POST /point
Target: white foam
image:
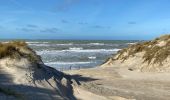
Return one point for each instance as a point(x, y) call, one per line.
point(75, 48)
point(37, 42)
point(46, 45)
point(96, 43)
point(77, 51)
point(93, 50)
point(66, 63)
point(65, 44)
point(131, 43)
point(92, 57)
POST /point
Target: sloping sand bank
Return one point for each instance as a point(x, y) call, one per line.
point(23, 76)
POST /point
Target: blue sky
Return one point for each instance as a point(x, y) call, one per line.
point(84, 19)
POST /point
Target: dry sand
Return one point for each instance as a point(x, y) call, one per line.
point(100, 83)
point(20, 79)
point(119, 83)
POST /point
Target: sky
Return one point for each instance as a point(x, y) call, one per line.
point(84, 19)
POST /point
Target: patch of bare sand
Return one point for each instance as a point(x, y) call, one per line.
point(86, 95)
point(118, 83)
point(20, 79)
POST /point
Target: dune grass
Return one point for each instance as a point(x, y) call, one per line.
point(152, 52)
point(12, 50)
point(157, 54)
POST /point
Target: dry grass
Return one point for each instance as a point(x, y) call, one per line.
point(12, 50)
point(153, 53)
point(157, 54)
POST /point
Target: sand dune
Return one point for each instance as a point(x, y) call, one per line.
point(150, 56)
point(24, 76)
point(130, 75)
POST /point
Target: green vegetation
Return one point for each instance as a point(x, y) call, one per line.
point(11, 92)
point(152, 52)
point(15, 50)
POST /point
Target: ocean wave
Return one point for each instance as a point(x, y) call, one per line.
point(37, 42)
point(96, 43)
point(92, 57)
point(67, 44)
point(66, 63)
point(77, 51)
point(39, 45)
point(64, 44)
point(46, 44)
point(93, 50)
point(131, 43)
point(75, 48)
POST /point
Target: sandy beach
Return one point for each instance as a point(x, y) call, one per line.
point(85, 50)
point(116, 83)
point(138, 72)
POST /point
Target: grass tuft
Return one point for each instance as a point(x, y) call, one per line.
point(13, 50)
point(153, 53)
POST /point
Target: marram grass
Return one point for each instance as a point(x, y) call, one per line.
point(13, 50)
point(152, 52)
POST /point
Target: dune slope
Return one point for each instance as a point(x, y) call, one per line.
point(24, 76)
point(152, 56)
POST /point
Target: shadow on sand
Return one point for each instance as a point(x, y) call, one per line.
point(11, 91)
point(79, 78)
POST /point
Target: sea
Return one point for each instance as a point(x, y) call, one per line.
point(76, 54)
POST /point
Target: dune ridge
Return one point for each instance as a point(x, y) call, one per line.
point(150, 56)
point(24, 76)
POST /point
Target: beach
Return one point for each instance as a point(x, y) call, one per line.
point(85, 50)
point(138, 72)
point(117, 83)
point(125, 75)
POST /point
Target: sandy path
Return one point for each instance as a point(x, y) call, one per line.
point(119, 83)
